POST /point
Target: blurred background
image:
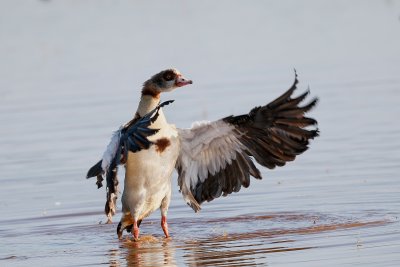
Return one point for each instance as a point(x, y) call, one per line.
point(71, 73)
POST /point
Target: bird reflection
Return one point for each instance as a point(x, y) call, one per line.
point(148, 251)
point(232, 241)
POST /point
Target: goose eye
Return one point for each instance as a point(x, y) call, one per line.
point(168, 76)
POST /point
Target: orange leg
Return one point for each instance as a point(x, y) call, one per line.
point(135, 231)
point(164, 225)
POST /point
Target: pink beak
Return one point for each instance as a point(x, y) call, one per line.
point(181, 81)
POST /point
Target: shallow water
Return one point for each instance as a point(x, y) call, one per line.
point(71, 73)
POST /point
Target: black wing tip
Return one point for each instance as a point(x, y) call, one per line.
point(286, 95)
point(315, 100)
point(311, 105)
point(165, 103)
point(315, 133)
point(292, 88)
point(95, 170)
point(259, 176)
point(155, 112)
point(296, 80)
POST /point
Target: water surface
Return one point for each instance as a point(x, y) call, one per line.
point(71, 73)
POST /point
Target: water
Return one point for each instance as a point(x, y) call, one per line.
point(71, 72)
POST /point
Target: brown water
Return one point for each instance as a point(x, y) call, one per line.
point(70, 73)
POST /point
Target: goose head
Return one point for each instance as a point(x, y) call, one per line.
point(164, 81)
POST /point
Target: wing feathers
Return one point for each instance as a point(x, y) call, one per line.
point(296, 122)
point(283, 98)
point(216, 157)
point(290, 104)
point(94, 170)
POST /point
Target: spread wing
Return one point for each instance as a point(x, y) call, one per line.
point(130, 137)
point(216, 158)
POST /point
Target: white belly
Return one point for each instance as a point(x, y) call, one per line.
point(148, 174)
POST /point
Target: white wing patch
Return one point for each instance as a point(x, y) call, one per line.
point(111, 150)
point(206, 148)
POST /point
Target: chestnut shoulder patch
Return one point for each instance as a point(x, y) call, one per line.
point(162, 144)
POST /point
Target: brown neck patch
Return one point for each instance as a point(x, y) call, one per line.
point(151, 91)
point(162, 144)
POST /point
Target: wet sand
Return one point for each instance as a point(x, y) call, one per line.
point(71, 74)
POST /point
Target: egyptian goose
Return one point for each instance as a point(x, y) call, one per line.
point(211, 158)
